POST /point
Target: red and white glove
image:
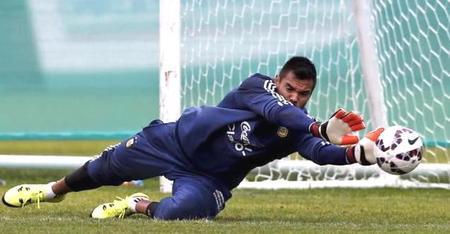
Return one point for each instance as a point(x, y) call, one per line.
point(338, 129)
point(364, 152)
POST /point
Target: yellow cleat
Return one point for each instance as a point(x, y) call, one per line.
point(25, 194)
point(119, 208)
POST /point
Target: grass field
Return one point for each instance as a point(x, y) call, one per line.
point(249, 211)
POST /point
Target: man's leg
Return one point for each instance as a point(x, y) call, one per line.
point(132, 159)
point(192, 199)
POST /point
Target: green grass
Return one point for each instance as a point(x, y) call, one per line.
point(249, 211)
point(54, 147)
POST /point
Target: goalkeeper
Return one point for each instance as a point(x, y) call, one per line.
point(209, 150)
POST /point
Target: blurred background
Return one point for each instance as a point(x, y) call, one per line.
point(78, 67)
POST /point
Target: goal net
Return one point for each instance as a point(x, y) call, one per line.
point(222, 42)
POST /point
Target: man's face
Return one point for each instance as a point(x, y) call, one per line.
point(294, 90)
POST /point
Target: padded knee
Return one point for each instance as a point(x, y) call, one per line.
point(189, 202)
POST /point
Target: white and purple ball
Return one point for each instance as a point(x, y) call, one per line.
point(399, 150)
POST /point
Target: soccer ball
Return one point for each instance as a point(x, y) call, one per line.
point(399, 150)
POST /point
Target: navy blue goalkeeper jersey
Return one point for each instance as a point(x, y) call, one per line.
point(250, 127)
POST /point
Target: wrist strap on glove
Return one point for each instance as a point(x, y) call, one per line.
point(319, 129)
point(364, 152)
point(315, 130)
point(354, 152)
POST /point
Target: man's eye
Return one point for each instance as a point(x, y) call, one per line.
point(304, 93)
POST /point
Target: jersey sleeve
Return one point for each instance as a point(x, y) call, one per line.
point(320, 151)
point(258, 94)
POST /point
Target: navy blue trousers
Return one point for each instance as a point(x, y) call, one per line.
point(152, 153)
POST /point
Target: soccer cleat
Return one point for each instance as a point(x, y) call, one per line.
point(22, 195)
point(119, 208)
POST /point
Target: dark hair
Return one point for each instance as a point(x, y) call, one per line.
point(302, 68)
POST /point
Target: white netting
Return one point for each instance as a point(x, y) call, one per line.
point(413, 39)
point(223, 42)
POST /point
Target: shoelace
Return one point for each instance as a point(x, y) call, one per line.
point(33, 196)
point(37, 196)
point(119, 204)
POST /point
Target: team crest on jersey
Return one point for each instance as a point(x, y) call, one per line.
point(282, 132)
point(130, 142)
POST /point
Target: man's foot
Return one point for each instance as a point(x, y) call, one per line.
point(118, 208)
point(22, 195)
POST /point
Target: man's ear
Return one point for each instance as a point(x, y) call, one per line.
point(277, 79)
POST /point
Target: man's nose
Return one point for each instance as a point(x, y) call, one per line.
point(293, 99)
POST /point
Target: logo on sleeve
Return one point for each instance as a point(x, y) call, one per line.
point(282, 132)
point(270, 87)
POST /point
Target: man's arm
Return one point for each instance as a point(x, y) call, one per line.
point(258, 93)
point(322, 153)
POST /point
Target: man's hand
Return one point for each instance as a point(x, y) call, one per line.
point(338, 129)
point(363, 152)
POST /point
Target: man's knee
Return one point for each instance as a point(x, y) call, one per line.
point(195, 204)
point(103, 171)
point(170, 209)
point(80, 180)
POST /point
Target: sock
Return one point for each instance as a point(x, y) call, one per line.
point(151, 209)
point(48, 192)
point(132, 203)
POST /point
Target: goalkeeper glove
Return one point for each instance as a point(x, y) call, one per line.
point(338, 129)
point(364, 152)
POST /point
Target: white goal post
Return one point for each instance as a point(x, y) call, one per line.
point(217, 44)
point(169, 71)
